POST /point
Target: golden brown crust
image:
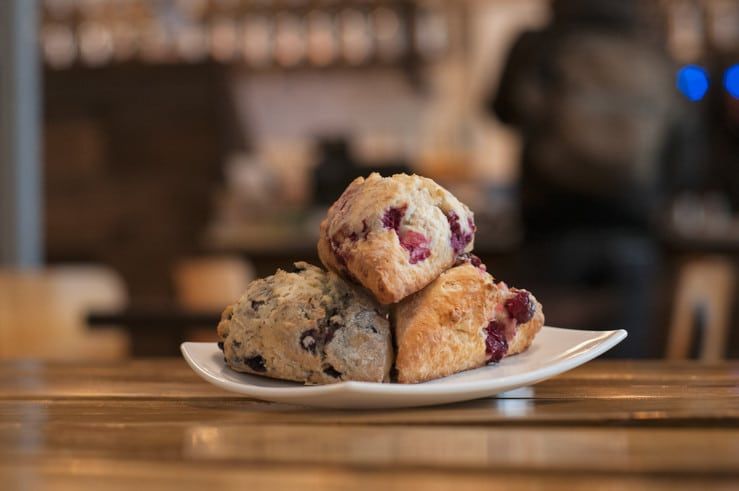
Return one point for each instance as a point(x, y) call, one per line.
point(441, 329)
point(357, 242)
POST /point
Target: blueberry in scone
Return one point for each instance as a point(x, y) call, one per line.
point(462, 320)
point(308, 326)
point(394, 235)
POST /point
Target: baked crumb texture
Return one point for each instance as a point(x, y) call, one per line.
point(395, 235)
point(309, 326)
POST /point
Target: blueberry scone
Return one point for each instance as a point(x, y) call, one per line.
point(308, 326)
point(394, 235)
point(462, 320)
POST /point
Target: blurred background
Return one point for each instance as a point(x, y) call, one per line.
point(156, 156)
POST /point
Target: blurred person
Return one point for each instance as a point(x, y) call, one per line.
point(724, 154)
point(724, 129)
point(606, 142)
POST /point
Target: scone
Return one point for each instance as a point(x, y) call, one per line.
point(462, 320)
point(394, 235)
point(308, 326)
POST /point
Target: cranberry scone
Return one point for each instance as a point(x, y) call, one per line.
point(309, 326)
point(462, 320)
point(395, 235)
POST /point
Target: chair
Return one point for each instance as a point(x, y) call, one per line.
point(43, 313)
point(208, 284)
point(705, 292)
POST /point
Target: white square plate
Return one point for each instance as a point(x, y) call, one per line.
point(553, 351)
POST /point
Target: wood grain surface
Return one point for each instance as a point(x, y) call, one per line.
point(154, 424)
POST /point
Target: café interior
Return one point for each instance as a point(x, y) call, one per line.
point(157, 157)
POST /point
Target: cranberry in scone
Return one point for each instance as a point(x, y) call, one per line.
point(395, 235)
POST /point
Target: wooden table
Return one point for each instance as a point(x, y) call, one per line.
point(154, 424)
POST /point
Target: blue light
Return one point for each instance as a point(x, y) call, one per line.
point(692, 81)
point(731, 80)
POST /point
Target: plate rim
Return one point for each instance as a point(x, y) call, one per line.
point(606, 340)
